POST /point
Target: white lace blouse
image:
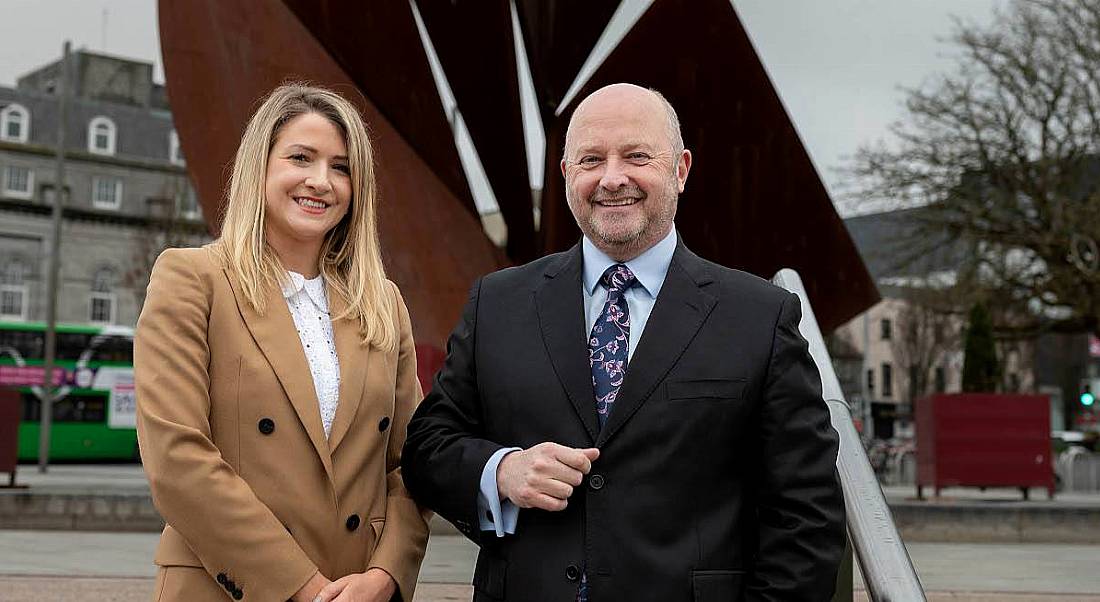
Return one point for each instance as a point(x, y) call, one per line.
point(308, 303)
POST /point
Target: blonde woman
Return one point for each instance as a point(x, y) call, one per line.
point(276, 375)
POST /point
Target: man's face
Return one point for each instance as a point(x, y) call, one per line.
point(622, 174)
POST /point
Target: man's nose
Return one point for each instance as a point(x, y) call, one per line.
point(614, 176)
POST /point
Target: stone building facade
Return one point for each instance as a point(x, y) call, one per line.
point(127, 190)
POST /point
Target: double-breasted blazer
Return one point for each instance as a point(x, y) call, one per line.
point(255, 497)
point(716, 478)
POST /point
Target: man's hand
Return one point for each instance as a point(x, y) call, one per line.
point(312, 587)
point(543, 476)
point(375, 585)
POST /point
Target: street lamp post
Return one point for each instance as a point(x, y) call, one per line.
point(47, 395)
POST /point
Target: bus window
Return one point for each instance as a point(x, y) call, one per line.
point(71, 344)
point(114, 349)
point(28, 344)
point(73, 408)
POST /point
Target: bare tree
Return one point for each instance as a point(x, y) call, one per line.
point(1003, 154)
point(926, 331)
point(166, 227)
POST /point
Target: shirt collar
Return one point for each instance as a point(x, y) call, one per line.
point(649, 268)
point(313, 287)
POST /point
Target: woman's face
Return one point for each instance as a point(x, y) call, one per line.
point(308, 184)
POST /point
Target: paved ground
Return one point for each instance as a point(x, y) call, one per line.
point(45, 589)
point(55, 565)
point(129, 478)
point(66, 565)
point(41, 566)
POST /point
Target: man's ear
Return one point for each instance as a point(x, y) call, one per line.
point(563, 167)
point(683, 166)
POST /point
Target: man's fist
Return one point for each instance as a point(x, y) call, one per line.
point(543, 476)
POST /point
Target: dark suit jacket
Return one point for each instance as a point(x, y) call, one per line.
point(716, 479)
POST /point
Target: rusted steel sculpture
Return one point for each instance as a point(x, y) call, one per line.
point(220, 57)
point(754, 200)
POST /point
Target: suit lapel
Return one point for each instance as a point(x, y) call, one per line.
point(278, 340)
point(560, 310)
point(680, 310)
point(354, 364)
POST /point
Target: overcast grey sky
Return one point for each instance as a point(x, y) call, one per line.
point(837, 64)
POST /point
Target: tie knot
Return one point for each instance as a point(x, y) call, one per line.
point(618, 278)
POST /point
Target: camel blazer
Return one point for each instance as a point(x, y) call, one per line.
point(254, 496)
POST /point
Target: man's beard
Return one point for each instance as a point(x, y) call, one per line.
point(617, 236)
point(628, 236)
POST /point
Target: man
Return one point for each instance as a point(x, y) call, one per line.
point(625, 421)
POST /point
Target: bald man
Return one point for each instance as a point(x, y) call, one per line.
point(625, 421)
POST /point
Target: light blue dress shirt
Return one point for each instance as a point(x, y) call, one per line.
point(650, 269)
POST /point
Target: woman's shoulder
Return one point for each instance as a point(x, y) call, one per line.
point(398, 308)
point(395, 291)
point(197, 259)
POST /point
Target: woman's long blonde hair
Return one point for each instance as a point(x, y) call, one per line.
point(351, 256)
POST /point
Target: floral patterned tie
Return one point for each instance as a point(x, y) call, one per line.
point(607, 354)
point(610, 339)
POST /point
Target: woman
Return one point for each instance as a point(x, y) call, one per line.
point(275, 378)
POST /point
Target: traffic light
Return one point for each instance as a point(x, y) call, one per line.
point(1087, 396)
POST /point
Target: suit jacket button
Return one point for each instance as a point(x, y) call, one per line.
point(238, 594)
point(222, 578)
point(596, 482)
point(383, 424)
point(572, 573)
point(353, 522)
point(266, 426)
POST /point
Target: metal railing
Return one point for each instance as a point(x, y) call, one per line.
point(883, 560)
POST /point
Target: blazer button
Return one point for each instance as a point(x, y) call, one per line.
point(238, 594)
point(222, 578)
point(266, 426)
point(572, 573)
point(353, 522)
point(383, 424)
point(596, 482)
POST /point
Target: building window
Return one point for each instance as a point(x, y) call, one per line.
point(102, 301)
point(887, 380)
point(188, 204)
point(13, 291)
point(175, 155)
point(870, 383)
point(941, 379)
point(106, 193)
point(15, 123)
point(101, 136)
point(887, 329)
point(18, 182)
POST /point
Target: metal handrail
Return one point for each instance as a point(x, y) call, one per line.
point(883, 560)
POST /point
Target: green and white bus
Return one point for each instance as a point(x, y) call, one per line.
point(95, 415)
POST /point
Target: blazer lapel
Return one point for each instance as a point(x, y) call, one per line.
point(354, 359)
point(680, 310)
point(560, 310)
point(277, 338)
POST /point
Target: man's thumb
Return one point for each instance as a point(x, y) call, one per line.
point(591, 453)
